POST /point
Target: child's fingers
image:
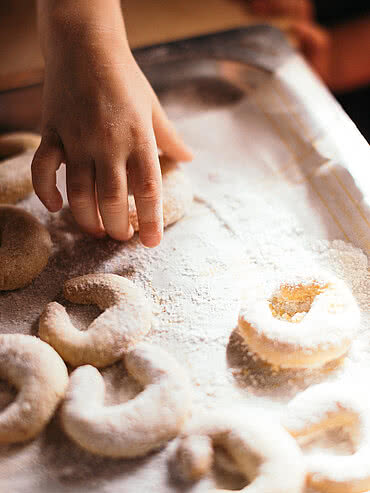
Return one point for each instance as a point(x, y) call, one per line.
point(111, 185)
point(167, 138)
point(82, 198)
point(45, 164)
point(146, 183)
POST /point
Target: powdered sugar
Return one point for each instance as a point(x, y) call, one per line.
point(328, 406)
point(245, 224)
point(331, 318)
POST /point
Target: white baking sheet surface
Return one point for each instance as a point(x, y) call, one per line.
point(280, 181)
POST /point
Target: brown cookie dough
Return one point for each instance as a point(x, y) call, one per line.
point(16, 152)
point(25, 247)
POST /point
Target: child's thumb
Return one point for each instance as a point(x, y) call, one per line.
point(45, 164)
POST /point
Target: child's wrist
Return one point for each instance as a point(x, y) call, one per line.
point(67, 23)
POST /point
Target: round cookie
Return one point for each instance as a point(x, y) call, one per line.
point(301, 321)
point(126, 319)
point(177, 194)
point(330, 406)
point(16, 153)
point(134, 428)
point(25, 247)
point(14, 143)
point(41, 378)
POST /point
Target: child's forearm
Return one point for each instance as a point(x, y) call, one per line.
point(64, 21)
point(350, 60)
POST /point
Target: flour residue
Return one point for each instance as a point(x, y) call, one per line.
point(245, 223)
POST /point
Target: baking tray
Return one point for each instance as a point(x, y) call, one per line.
point(276, 186)
point(257, 63)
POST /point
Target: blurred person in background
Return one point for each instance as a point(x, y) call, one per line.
point(334, 37)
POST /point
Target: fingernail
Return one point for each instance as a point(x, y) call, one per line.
point(150, 244)
point(189, 154)
point(131, 231)
point(54, 206)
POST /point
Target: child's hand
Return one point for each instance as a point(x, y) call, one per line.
point(102, 118)
point(314, 43)
point(311, 39)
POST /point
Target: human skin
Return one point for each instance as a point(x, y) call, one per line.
point(339, 54)
point(299, 9)
point(350, 65)
point(102, 118)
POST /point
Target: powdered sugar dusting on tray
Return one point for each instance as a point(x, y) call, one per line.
point(245, 223)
